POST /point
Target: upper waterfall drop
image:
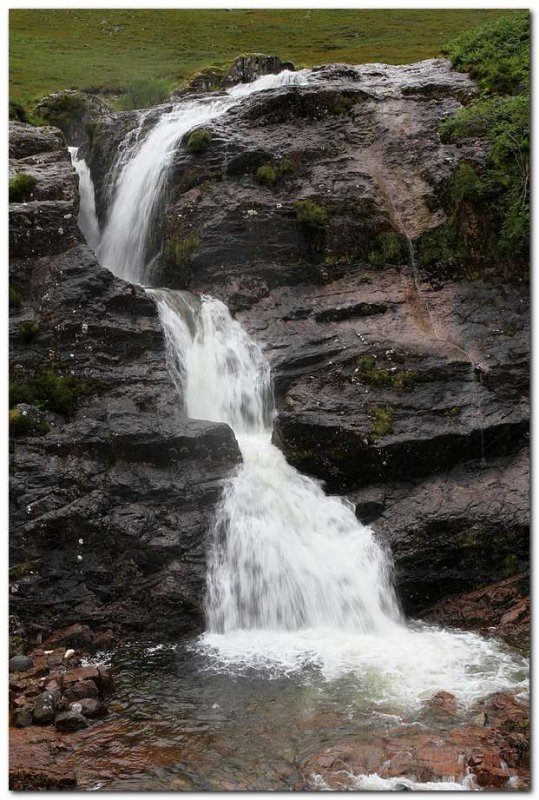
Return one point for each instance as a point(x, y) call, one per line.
point(141, 178)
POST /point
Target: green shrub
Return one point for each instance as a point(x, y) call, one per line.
point(382, 423)
point(388, 248)
point(180, 252)
point(21, 187)
point(270, 174)
point(61, 110)
point(19, 423)
point(497, 54)
point(51, 392)
point(198, 141)
point(498, 57)
point(267, 174)
point(312, 216)
point(18, 111)
point(28, 329)
point(142, 93)
point(15, 298)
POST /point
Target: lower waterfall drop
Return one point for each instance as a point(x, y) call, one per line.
point(294, 579)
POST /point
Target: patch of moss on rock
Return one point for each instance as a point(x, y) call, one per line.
point(388, 248)
point(180, 252)
point(270, 174)
point(21, 187)
point(312, 216)
point(400, 380)
point(197, 141)
point(382, 423)
point(15, 298)
point(51, 392)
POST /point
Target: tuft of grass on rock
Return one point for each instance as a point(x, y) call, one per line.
point(51, 392)
point(312, 216)
point(382, 423)
point(21, 187)
point(198, 141)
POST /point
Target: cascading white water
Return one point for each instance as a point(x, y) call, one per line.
point(142, 179)
point(87, 218)
point(285, 556)
point(293, 577)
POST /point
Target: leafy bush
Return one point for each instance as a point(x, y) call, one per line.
point(20, 424)
point(180, 252)
point(21, 187)
point(143, 92)
point(62, 109)
point(388, 248)
point(28, 329)
point(51, 392)
point(19, 112)
point(270, 174)
point(198, 141)
point(312, 216)
point(498, 56)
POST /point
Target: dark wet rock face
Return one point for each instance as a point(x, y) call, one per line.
point(407, 390)
point(404, 389)
point(112, 498)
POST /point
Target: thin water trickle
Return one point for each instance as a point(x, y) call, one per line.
point(87, 219)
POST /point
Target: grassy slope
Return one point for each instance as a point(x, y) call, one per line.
point(85, 48)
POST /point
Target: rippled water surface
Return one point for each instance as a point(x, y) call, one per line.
point(179, 724)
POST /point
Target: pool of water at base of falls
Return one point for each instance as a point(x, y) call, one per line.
point(181, 720)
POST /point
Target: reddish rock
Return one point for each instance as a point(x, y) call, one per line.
point(81, 689)
point(77, 635)
point(73, 676)
point(442, 704)
point(25, 780)
point(489, 771)
point(105, 680)
point(501, 608)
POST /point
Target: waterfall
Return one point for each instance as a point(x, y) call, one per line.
point(141, 175)
point(87, 219)
point(284, 556)
point(294, 580)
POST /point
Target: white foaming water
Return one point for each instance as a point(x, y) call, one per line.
point(141, 180)
point(87, 219)
point(374, 783)
point(294, 579)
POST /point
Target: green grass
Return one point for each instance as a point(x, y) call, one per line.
point(498, 56)
point(21, 187)
point(53, 49)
